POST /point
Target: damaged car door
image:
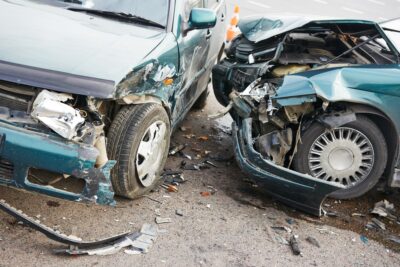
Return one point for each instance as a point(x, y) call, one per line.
point(194, 46)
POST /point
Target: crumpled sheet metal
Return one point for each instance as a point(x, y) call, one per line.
point(135, 243)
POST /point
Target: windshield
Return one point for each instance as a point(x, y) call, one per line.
point(154, 10)
point(392, 31)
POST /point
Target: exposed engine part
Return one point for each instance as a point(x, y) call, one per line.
point(242, 107)
point(263, 111)
point(275, 145)
point(289, 69)
point(293, 113)
point(50, 109)
point(255, 91)
point(100, 144)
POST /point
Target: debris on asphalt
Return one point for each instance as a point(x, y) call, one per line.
point(331, 213)
point(203, 138)
point(290, 221)
point(179, 212)
point(313, 241)
point(157, 212)
point(175, 179)
point(213, 190)
point(153, 199)
point(195, 167)
point(170, 188)
point(189, 136)
point(199, 166)
point(210, 163)
point(183, 128)
point(282, 228)
point(375, 223)
point(135, 243)
point(281, 240)
point(384, 209)
point(294, 244)
point(356, 214)
point(325, 231)
point(52, 203)
point(185, 155)
point(219, 158)
point(174, 150)
point(205, 194)
point(364, 239)
point(161, 220)
point(171, 173)
point(172, 180)
point(394, 238)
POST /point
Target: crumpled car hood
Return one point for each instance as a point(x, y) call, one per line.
point(259, 28)
point(48, 37)
point(334, 84)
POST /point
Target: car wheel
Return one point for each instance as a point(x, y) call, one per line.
point(138, 140)
point(354, 155)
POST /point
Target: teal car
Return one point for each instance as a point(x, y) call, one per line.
point(92, 89)
point(315, 104)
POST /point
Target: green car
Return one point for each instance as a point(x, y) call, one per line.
point(316, 105)
point(92, 90)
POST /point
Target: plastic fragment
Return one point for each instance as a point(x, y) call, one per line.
point(313, 241)
point(294, 245)
point(161, 220)
point(364, 239)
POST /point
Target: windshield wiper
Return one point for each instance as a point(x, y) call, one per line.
point(118, 15)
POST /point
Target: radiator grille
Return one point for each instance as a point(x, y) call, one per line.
point(15, 96)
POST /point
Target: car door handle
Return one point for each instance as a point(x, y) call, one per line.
point(208, 35)
point(223, 17)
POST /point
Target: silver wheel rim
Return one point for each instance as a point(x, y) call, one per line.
point(150, 152)
point(343, 155)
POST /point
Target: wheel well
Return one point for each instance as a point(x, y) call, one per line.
point(116, 106)
point(388, 130)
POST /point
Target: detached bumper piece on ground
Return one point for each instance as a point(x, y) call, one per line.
point(310, 99)
point(133, 243)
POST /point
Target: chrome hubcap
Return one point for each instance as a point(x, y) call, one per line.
point(150, 152)
point(343, 155)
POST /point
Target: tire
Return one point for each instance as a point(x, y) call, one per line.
point(201, 101)
point(362, 156)
point(138, 139)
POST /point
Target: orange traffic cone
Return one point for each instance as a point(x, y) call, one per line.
point(232, 28)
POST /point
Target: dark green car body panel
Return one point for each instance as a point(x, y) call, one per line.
point(376, 86)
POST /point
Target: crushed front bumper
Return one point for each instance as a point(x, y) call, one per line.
point(298, 190)
point(22, 149)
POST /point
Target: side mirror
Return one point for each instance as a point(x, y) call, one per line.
point(201, 18)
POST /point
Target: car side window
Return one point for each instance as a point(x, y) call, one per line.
point(189, 5)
